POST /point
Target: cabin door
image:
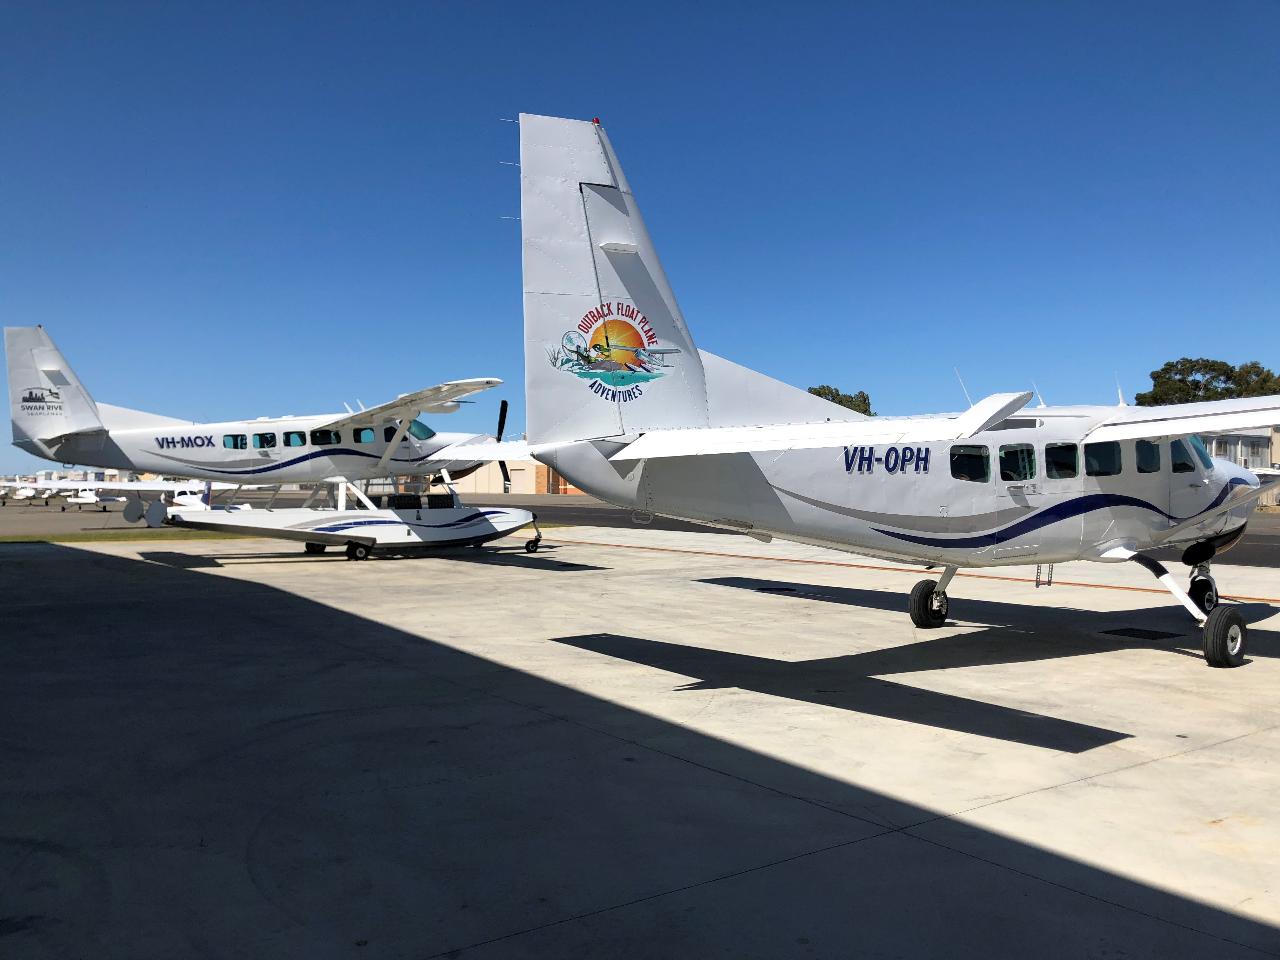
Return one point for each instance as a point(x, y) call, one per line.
point(1019, 496)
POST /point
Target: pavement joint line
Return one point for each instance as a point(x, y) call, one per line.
point(1095, 776)
point(884, 569)
point(454, 951)
point(1093, 896)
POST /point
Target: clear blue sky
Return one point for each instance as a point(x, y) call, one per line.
point(235, 210)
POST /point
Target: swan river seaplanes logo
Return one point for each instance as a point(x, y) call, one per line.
point(614, 350)
point(40, 402)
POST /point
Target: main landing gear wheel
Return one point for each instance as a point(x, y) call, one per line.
point(357, 551)
point(315, 547)
point(531, 546)
point(1203, 593)
point(928, 605)
point(1225, 637)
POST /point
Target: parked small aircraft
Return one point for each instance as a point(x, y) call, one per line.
point(55, 418)
point(704, 439)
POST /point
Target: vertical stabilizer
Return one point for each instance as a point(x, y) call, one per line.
point(46, 399)
point(607, 351)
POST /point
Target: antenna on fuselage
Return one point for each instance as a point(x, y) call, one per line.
point(962, 386)
point(1119, 392)
point(1039, 395)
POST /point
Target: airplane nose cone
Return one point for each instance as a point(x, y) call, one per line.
point(1235, 472)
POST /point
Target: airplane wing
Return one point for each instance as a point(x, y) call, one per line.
point(702, 441)
point(438, 399)
point(1183, 419)
point(470, 452)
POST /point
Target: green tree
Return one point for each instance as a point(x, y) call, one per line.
point(1188, 380)
point(858, 401)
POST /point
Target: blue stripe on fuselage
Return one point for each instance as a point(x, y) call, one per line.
point(1059, 511)
point(338, 452)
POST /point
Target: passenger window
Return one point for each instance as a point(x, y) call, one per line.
point(264, 441)
point(1102, 459)
point(1061, 461)
point(389, 433)
point(1148, 456)
point(971, 463)
point(235, 441)
point(325, 438)
point(1181, 458)
point(295, 438)
point(1017, 462)
point(364, 434)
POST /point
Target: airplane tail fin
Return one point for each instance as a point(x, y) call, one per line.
point(47, 402)
point(607, 351)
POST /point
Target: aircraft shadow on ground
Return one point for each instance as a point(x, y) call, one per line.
point(1016, 632)
point(207, 765)
point(848, 683)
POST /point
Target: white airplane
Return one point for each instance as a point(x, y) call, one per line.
point(182, 493)
point(55, 418)
point(701, 438)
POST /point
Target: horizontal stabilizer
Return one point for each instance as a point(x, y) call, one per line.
point(1183, 419)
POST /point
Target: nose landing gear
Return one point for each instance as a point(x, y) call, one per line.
point(1203, 591)
point(1226, 635)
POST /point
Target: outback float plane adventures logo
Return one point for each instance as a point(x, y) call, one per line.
point(614, 349)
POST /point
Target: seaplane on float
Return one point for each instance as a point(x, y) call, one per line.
point(54, 417)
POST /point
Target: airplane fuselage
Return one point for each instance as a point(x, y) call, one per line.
point(263, 451)
point(1028, 491)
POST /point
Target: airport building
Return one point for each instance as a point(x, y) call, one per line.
point(1254, 449)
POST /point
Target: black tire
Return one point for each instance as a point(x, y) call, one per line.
point(921, 605)
point(314, 547)
point(1225, 637)
point(531, 546)
point(1203, 594)
point(357, 551)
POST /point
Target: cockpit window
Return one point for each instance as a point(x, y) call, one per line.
point(420, 431)
point(1180, 456)
point(1201, 453)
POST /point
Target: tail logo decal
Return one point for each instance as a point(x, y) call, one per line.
point(614, 349)
point(41, 402)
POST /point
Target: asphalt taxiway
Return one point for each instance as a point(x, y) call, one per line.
point(634, 743)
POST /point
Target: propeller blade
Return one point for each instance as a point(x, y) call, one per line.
point(502, 424)
point(506, 476)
